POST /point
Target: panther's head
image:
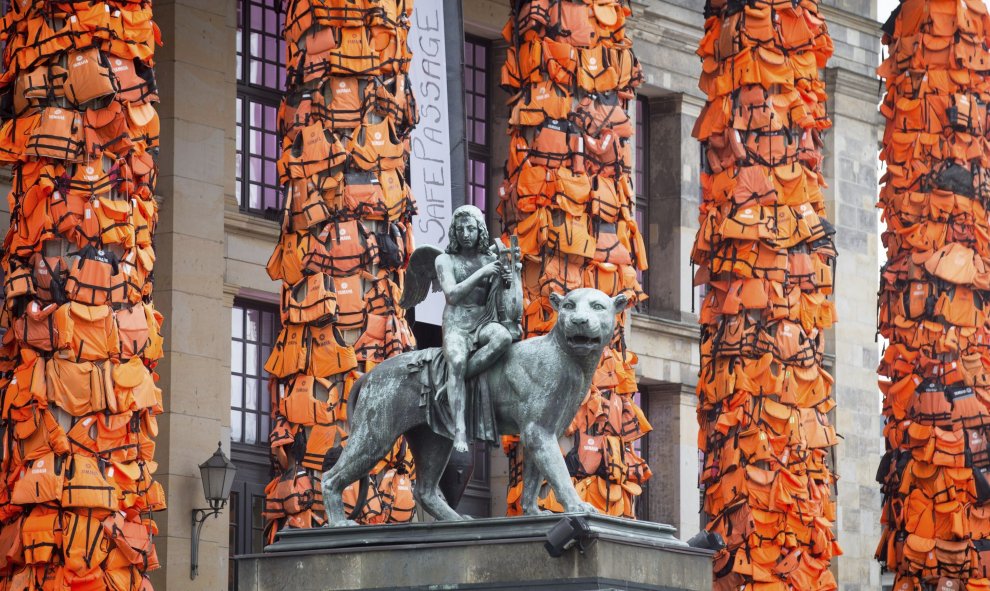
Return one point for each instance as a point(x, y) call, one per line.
point(585, 319)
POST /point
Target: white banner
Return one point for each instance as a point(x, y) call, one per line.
point(429, 161)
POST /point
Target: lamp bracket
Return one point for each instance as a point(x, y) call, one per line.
point(199, 517)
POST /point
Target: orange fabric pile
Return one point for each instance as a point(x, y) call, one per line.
point(82, 337)
point(569, 197)
point(344, 245)
point(934, 372)
point(764, 252)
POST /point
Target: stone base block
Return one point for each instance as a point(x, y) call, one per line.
point(492, 554)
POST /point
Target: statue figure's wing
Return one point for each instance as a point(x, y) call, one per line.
point(421, 276)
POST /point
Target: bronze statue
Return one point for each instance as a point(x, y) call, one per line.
point(467, 273)
point(481, 383)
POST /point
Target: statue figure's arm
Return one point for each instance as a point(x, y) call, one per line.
point(456, 292)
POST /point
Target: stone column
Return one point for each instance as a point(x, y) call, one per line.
point(198, 89)
point(851, 171)
point(673, 454)
point(673, 202)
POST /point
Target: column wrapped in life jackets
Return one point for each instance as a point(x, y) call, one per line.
point(933, 374)
point(81, 335)
point(762, 250)
point(571, 72)
point(346, 119)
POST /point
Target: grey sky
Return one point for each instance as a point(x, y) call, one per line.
point(884, 8)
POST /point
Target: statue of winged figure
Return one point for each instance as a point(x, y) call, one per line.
point(483, 303)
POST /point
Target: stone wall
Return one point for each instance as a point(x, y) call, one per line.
point(196, 78)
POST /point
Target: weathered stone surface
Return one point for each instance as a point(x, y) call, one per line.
point(491, 554)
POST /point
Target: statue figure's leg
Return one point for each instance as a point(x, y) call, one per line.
point(430, 453)
point(456, 347)
point(364, 448)
point(542, 447)
point(532, 479)
point(495, 340)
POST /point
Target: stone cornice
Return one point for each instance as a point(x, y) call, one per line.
point(841, 83)
point(857, 22)
point(252, 226)
point(651, 324)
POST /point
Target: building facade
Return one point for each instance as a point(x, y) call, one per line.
point(221, 75)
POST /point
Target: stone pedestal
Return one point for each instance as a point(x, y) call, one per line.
point(492, 554)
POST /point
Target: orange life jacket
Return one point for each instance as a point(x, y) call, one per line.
point(132, 326)
point(569, 234)
point(135, 82)
point(86, 486)
point(397, 495)
point(88, 76)
point(315, 150)
point(554, 144)
point(40, 481)
point(135, 387)
point(94, 278)
point(80, 387)
point(544, 100)
point(41, 535)
point(133, 540)
point(394, 99)
point(310, 300)
point(316, 46)
point(84, 544)
point(59, 135)
point(296, 111)
point(36, 327)
point(606, 201)
point(595, 72)
point(304, 205)
point(523, 63)
point(301, 407)
point(561, 273)
point(89, 332)
point(608, 154)
point(35, 86)
point(321, 439)
point(290, 353)
point(376, 146)
point(354, 54)
point(351, 309)
point(328, 353)
point(350, 248)
point(347, 102)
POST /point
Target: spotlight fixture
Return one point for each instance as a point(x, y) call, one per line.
point(707, 540)
point(567, 533)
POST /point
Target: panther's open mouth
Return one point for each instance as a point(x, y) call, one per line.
point(581, 340)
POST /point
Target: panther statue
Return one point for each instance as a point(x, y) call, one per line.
point(536, 388)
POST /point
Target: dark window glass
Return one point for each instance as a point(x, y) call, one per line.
point(232, 543)
point(260, 84)
point(257, 144)
point(477, 56)
point(260, 48)
point(252, 335)
point(641, 177)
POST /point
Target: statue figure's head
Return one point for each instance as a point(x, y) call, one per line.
point(467, 231)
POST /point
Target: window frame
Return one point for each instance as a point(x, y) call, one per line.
point(641, 178)
point(260, 447)
point(268, 96)
point(478, 152)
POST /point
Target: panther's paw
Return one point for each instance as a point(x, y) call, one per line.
point(584, 508)
point(535, 510)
